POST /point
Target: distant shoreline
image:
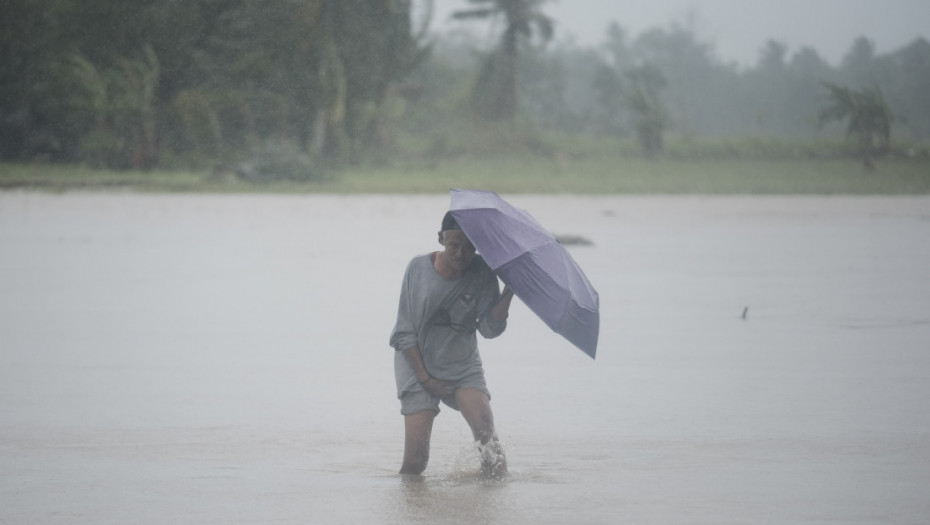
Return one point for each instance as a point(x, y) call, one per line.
point(593, 175)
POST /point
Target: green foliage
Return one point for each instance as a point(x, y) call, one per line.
point(608, 88)
point(124, 84)
point(868, 115)
point(477, 138)
point(142, 84)
point(599, 171)
point(197, 124)
point(644, 99)
point(279, 163)
point(111, 107)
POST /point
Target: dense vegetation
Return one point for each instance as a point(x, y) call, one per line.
point(284, 87)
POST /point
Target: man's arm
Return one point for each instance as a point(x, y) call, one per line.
point(431, 384)
point(501, 309)
point(416, 363)
point(494, 320)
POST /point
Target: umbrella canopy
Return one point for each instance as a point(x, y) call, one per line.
point(533, 263)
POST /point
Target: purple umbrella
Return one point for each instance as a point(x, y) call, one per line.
point(533, 263)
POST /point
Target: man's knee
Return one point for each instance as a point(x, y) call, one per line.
point(476, 408)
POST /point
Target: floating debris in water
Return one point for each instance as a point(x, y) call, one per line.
point(573, 240)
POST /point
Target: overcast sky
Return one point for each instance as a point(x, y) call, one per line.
point(739, 28)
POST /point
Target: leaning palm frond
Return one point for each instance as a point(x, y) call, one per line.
point(496, 91)
point(869, 117)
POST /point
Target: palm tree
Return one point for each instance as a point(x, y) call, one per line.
point(868, 114)
point(496, 90)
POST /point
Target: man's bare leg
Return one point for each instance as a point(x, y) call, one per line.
point(476, 407)
point(417, 430)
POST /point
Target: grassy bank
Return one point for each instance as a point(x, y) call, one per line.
point(588, 175)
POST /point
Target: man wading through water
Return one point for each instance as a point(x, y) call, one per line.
point(446, 296)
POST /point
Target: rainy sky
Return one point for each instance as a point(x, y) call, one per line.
point(739, 28)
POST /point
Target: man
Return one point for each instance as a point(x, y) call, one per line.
point(446, 296)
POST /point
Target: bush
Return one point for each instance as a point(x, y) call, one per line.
point(277, 164)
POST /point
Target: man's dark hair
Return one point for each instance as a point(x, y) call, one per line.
point(449, 223)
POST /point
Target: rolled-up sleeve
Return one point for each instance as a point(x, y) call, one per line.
point(487, 327)
point(490, 328)
point(404, 334)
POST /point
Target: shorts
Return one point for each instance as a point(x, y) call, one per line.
point(417, 399)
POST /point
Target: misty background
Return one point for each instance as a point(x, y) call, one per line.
point(159, 83)
point(738, 29)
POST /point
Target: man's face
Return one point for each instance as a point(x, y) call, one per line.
point(459, 250)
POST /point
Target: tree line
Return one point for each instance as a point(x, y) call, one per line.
point(136, 83)
point(675, 79)
point(170, 83)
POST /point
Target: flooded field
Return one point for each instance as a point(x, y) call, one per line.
point(220, 359)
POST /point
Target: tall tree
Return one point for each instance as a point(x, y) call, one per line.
point(26, 39)
point(858, 66)
point(643, 97)
point(869, 118)
point(772, 56)
point(906, 84)
point(607, 84)
point(688, 66)
point(608, 93)
point(378, 46)
point(496, 90)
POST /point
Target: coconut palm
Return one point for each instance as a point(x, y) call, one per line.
point(496, 90)
point(868, 114)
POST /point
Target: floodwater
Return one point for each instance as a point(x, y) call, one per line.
point(224, 359)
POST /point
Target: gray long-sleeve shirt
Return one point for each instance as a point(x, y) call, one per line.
point(440, 316)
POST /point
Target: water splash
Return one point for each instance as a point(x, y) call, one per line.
point(479, 461)
point(491, 453)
